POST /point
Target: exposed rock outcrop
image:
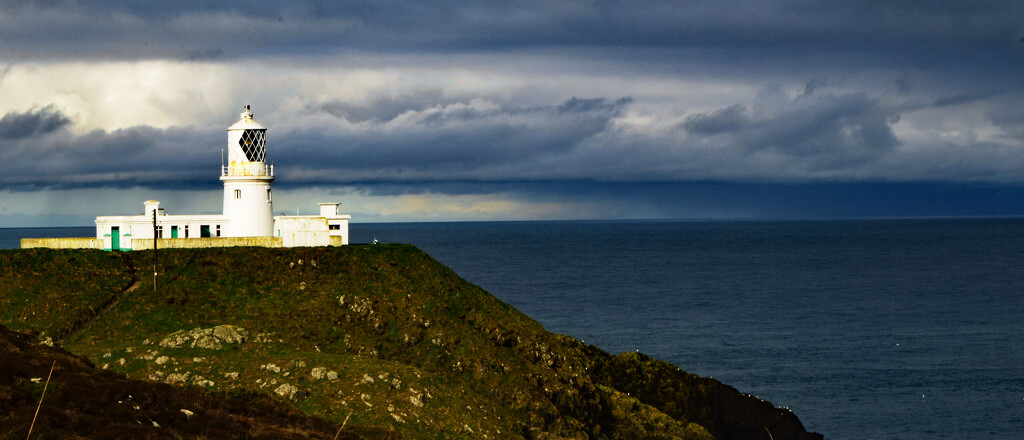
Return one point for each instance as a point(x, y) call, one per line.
point(84, 402)
point(212, 338)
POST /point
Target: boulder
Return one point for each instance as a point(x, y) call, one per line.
point(212, 338)
point(318, 373)
point(290, 391)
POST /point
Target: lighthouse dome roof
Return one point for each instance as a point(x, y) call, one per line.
point(246, 122)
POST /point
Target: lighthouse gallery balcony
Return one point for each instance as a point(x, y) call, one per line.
point(247, 169)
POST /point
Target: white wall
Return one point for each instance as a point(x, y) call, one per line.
point(248, 203)
point(302, 231)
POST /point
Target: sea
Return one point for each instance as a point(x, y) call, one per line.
point(865, 329)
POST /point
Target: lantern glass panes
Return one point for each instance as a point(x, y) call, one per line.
point(254, 145)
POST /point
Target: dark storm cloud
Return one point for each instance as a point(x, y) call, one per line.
point(15, 126)
point(402, 140)
point(726, 120)
point(203, 54)
point(963, 98)
point(826, 132)
point(915, 33)
point(43, 153)
point(475, 140)
point(459, 141)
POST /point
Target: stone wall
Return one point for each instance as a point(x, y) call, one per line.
point(62, 243)
point(139, 244)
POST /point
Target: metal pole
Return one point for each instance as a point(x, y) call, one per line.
point(154, 250)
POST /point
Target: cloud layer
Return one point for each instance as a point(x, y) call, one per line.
point(457, 105)
point(774, 137)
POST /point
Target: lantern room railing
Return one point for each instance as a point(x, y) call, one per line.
point(247, 169)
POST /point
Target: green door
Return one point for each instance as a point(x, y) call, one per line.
point(115, 238)
point(204, 230)
point(174, 232)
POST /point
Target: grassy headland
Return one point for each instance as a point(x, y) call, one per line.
point(383, 339)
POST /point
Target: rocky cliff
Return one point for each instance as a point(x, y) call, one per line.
point(382, 339)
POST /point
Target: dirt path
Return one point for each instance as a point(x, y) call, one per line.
point(107, 305)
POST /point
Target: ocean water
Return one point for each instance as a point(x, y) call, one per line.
point(866, 329)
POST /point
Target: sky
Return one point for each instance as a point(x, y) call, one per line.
point(532, 110)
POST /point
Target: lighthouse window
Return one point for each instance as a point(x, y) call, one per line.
point(218, 230)
point(238, 194)
point(253, 143)
point(268, 196)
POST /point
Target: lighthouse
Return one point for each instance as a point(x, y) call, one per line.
point(247, 220)
point(248, 203)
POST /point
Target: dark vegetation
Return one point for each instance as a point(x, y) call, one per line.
point(412, 349)
point(84, 402)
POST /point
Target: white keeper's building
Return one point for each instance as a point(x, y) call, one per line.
point(248, 216)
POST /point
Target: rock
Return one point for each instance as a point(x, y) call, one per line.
point(162, 360)
point(212, 338)
point(208, 342)
point(187, 413)
point(176, 339)
point(177, 378)
point(332, 375)
point(232, 375)
point(318, 373)
point(230, 334)
point(300, 364)
point(271, 367)
point(290, 391)
point(285, 390)
point(417, 400)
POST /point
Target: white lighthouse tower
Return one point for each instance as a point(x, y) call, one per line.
point(248, 205)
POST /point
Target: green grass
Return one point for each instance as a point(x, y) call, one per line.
point(50, 291)
point(385, 312)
